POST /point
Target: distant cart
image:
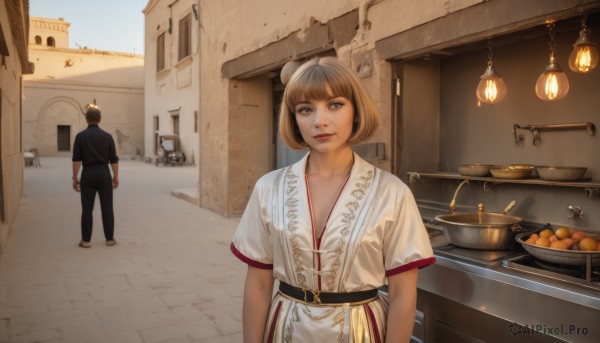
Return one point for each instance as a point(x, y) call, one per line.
point(168, 151)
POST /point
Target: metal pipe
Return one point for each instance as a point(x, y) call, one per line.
point(453, 202)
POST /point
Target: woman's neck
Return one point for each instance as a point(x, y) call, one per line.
point(337, 163)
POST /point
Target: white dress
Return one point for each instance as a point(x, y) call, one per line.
point(374, 230)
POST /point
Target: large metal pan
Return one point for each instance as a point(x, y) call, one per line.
point(566, 257)
point(483, 231)
point(561, 173)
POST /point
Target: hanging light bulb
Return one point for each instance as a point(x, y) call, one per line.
point(553, 83)
point(491, 88)
point(584, 56)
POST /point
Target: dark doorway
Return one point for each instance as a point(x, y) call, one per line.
point(63, 137)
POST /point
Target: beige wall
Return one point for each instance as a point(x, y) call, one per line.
point(244, 42)
point(176, 88)
point(65, 80)
point(45, 28)
point(250, 137)
point(13, 15)
point(273, 22)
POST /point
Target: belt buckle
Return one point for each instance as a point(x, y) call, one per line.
point(315, 295)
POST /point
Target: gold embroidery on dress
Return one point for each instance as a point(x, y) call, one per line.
point(339, 320)
point(292, 214)
point(358, 193)
point(289, 328)
point(318, 318)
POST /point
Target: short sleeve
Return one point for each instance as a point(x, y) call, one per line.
point(77, 157)
point(251, 241)
point(406, 243)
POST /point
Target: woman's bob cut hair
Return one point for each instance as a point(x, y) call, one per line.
point(317, 79)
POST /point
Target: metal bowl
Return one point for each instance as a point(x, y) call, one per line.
point(487, 231)
point(474, 169)
point(566, 257)
point(561, 173)
point(512, 171)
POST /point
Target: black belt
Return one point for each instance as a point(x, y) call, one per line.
point(317, 297)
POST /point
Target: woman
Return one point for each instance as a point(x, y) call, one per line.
point(331, 227)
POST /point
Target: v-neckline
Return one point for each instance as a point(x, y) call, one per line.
point(317, 241)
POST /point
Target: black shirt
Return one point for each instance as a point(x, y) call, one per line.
point(94, 146)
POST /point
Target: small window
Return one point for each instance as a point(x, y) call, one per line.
point(156, 124)
point(196, 121)
point(160, 52)
point(185, 36)
point(38, 40)
point(176, 124)
point(50, 41)
point(64, 138)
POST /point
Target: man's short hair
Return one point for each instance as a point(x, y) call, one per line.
point(93, 115)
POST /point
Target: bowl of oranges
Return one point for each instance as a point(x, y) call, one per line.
point(562, 245)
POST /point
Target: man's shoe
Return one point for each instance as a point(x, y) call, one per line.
point(84, 244)
point(111, 242)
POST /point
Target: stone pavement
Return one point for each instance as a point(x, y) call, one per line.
point(170, 278)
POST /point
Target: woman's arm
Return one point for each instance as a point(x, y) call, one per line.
point(403, 306)
point(258, 291)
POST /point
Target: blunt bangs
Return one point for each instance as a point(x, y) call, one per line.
point(317, 83)
point(320, 79)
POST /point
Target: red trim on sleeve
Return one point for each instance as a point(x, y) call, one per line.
point(414, 264)
point(248, 260)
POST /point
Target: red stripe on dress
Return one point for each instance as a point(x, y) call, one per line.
point(373, 323)
point(273, 322)
point(414, 264)
point(248, 260)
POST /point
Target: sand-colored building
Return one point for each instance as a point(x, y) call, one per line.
point(14, 63)
point(420, 61)
point(67, 79)
point(172, 82)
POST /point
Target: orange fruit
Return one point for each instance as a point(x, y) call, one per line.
point(546, 233)
point(531, 240)
point(568, 242)
point(578, 235)
point(553, 238)
point(558, 245)
point(562, 232)
point(588, 244)
point(542, 242)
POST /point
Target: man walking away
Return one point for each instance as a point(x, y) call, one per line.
point(94, 149)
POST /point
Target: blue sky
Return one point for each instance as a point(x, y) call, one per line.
point(113, 25)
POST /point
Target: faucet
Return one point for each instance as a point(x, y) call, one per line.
point(453, 202)
point(575, 212)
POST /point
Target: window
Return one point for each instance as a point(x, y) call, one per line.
point(156, 124)
point(160, 52)
point(176, 124)
point(38, 40)
point(196, 121)
point(63, 138)
point(50, 41)
point(185, 36)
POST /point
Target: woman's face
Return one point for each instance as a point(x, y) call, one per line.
point(325, 125)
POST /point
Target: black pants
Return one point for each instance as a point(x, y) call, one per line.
point(96, 179)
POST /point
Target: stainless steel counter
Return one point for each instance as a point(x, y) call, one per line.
point(512, 305)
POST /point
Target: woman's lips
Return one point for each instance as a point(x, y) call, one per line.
point(323, 137)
